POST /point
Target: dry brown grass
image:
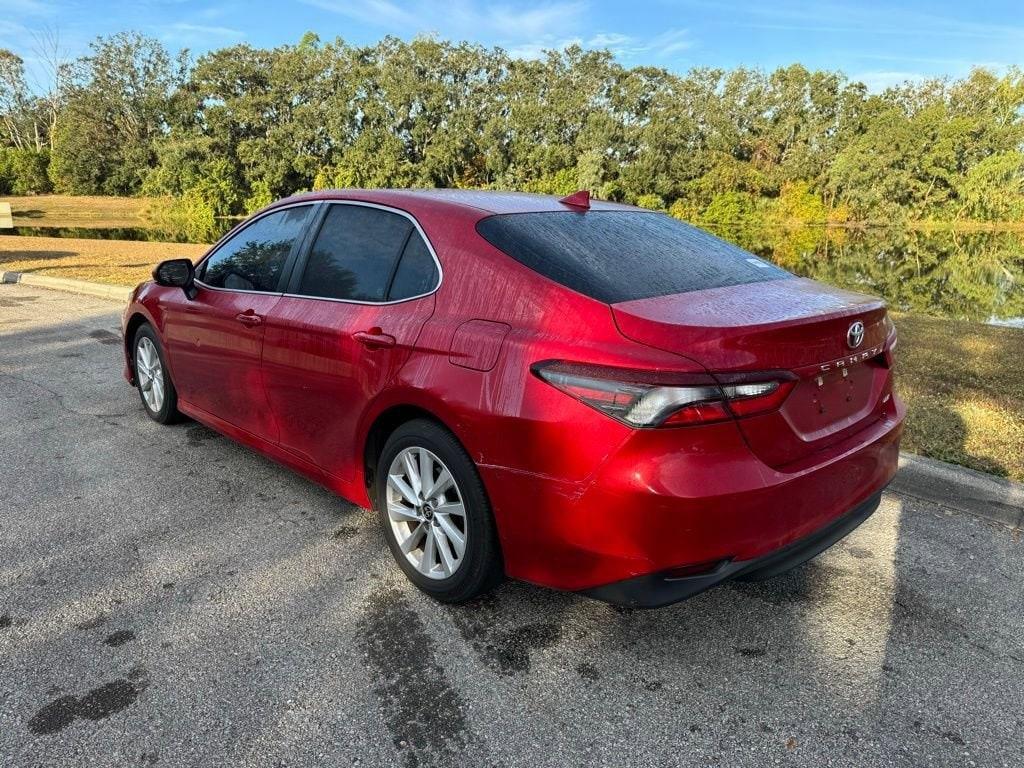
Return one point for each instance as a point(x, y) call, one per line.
point(116, 262)
point(964, 388)
point(66, 211)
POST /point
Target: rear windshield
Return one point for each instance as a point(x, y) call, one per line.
point(615, 256)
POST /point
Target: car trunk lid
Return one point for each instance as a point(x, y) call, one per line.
point(794, 325)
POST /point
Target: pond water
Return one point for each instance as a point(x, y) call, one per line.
point(967, 275)
point(103, 233)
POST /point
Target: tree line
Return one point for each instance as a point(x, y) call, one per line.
point(226, 133)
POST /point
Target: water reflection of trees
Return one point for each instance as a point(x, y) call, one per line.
point(948, 273)
point(255, 266)
point(325, 276)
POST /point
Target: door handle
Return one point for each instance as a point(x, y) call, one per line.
point(249, 318)
point(374, 338)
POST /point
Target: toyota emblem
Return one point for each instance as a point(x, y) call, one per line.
point(855, 335)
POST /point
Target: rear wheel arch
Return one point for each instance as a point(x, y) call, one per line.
point(381, 429)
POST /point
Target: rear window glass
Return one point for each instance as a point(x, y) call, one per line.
point(615, 256)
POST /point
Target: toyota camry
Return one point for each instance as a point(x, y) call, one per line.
point(580, 394)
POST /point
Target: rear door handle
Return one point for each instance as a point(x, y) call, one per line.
point(374, 338)
point(249, 318)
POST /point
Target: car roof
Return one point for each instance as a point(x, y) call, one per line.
point(483, 201)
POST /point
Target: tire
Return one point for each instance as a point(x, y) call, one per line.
point(480, 567)
point(146, 343)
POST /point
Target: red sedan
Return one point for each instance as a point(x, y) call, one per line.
point(583, 395)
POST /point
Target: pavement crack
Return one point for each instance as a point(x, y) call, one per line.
point(59, 398)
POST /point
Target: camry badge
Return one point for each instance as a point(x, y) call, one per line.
point(855, 335)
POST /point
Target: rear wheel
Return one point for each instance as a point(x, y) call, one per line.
point(435, 514)
point(159, 397)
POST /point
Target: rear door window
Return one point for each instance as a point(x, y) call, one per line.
point(355, 254)
point(253, 259)
point(616, 256)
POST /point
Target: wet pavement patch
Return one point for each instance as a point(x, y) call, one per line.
point(750, 652)
point(504, 649)
point(96, 621)
point(6, 621)
point(8, 302)
point(120, 637)
point(424, 714)
point(105, 337)
point(97, 704)
point(197, 434)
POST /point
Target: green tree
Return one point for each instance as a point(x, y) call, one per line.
point(117, 107)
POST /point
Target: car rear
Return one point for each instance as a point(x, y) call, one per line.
point(772, 437)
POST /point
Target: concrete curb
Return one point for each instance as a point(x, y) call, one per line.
point(112, 292)
point(960, 489)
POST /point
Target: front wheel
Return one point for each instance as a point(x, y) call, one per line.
point(159, 397)
point(435, 513)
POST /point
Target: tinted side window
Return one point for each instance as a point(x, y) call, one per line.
point(417, 272)
point(354, 253)
point(615, 256)
point(252, 260)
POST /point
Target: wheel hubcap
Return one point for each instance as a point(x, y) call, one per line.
point(150, 373)
point(426, 512)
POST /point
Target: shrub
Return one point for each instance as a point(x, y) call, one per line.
point(24, 171)
point(798, 206)
point(654, 202)
point(261, 197)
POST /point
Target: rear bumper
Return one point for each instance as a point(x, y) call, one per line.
point(670, 499)
point(656, 589)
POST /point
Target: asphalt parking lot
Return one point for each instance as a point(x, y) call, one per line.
point(170, 598)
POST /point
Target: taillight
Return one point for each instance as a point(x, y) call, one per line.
point(667, 399)
point(891, 338)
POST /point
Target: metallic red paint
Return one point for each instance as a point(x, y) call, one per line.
point(580, 499)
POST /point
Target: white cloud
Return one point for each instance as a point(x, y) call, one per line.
point(610, 40)
point(537, 48)
point(525, 31)
point(375, 12)
point(523, 23)
point(859, 17)
point(670, 42)
point(206, 30)
point(665, 45)
point(14, 8)
point(462, 18)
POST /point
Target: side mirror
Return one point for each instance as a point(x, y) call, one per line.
point(176, 273)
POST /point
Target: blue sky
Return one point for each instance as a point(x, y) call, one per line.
point(878, 43)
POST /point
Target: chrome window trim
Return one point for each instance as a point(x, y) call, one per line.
point(237, 230)
point(419, 230)
point(430, 247)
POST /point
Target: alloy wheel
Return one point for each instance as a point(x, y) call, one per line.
point(150, 373)
point(426, 512)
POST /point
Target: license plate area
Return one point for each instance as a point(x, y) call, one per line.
point(828, 401)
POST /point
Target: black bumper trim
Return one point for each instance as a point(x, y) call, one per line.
point(654, 590)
